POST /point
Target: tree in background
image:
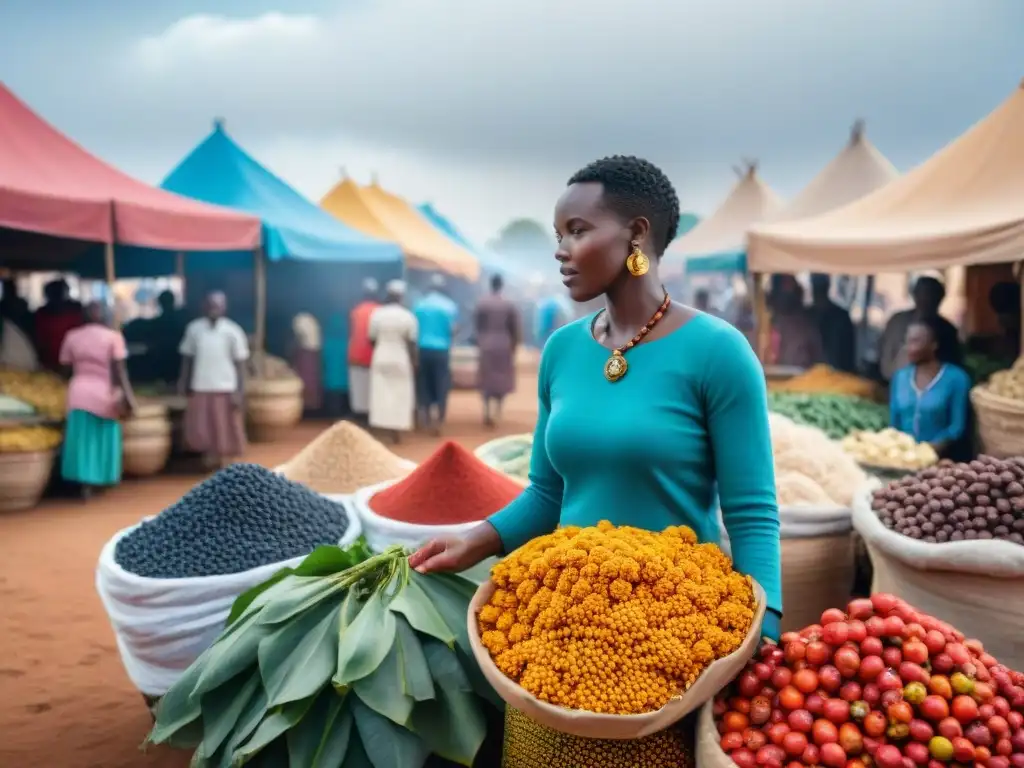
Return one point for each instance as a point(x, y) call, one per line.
point(523, 236)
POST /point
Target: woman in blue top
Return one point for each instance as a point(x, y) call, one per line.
point(645, 428)
point(930, 398)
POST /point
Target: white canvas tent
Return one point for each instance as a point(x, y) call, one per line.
point(722, 235)
point(856, 171)
point(964, 205)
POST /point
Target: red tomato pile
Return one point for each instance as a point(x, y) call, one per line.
point(880, 685)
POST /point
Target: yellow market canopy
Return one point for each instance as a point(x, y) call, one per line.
point(376, 212)
point(724, 231)
point(964, 205)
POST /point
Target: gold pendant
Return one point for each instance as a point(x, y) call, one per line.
point(615, 368)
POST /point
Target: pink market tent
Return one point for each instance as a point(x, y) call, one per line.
point(719, 239)
point(53, 190)
point(964, 205)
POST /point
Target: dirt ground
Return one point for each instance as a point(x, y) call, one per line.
point(65, 701)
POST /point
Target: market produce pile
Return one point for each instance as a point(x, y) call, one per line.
point(614, 620)
point(889, 449)
point(881, 685)
point(342, 459)
point(510, 455)
point(29, 439)
point(1009, 383)
point(982, 366)
point(342, 661)
point(243, 517)
point(810, 469)
point(45, 392)
point(13, 408)
point(982, 499)
point(823, 379)
point(270, 368)
point(451, 487)
point(835, 415)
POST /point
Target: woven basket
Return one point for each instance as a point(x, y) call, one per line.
point(23, 478)
point(272, 407)
point(465, 367)
point(531, 745)
point(1000, 423)
point(817, 573)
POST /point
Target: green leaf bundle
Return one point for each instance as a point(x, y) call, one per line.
point(835, 415)
point(349, 660)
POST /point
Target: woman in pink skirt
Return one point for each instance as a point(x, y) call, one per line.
point(213, 355)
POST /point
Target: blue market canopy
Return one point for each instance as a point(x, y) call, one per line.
point(219, 171)
point(491, 262)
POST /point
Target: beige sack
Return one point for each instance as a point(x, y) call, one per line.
point(591, 725)
point(817, 573)
point(709, 751)
point(977, 586)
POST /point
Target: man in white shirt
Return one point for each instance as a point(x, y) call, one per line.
point(213, 354)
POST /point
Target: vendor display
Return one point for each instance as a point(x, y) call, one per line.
point(810, 469)
point(981, 366)
point(889, 449)
point(836, 415)
point(26, 462)
point(614, 620)
point(999, 406)
point(877, 684)
point(31, 439)
point(243, 517)
point(821, 379)
point(451, 487)
point(510, 455)
point(338, 662)
point(44, 391)
point(983, 499)
point(146, 439)
point(343, 459)
point(273, 398)
point(1009, 383)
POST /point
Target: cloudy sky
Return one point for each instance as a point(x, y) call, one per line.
point(484, 108)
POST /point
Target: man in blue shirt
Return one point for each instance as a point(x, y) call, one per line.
point(437, 316)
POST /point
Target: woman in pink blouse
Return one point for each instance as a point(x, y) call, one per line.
point(98, 394)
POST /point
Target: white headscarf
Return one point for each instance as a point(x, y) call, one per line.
point(371, 286)
point(396, 288)
point(307, 331)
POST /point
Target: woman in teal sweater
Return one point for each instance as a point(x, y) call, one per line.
point(649, 412)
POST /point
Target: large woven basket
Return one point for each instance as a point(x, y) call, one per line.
point(531, 745)
point(23, 478)
point(1000, 423)
point(273, 407)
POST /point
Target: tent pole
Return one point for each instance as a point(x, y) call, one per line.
point(108, 266)
point(760, 317)
point(179, 272)
point(260, 287)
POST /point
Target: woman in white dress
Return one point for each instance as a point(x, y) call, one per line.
point(393, 332)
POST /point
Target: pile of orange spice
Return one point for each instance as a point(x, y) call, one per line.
point(452, 486)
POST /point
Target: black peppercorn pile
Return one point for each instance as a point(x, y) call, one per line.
point(242, 517)
point(982, 499)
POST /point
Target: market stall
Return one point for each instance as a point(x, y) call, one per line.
point(959, 207)
point(219, 171)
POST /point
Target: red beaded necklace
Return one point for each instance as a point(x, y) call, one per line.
point(615, 367)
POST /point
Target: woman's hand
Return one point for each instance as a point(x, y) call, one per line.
point(455, 553)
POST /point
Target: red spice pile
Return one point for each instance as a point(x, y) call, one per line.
point(452, 486)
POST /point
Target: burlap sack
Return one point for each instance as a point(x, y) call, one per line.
point(709, 751)
point(977, 585)
point(591, 725)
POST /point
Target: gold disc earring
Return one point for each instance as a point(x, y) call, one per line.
point(637, 262)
